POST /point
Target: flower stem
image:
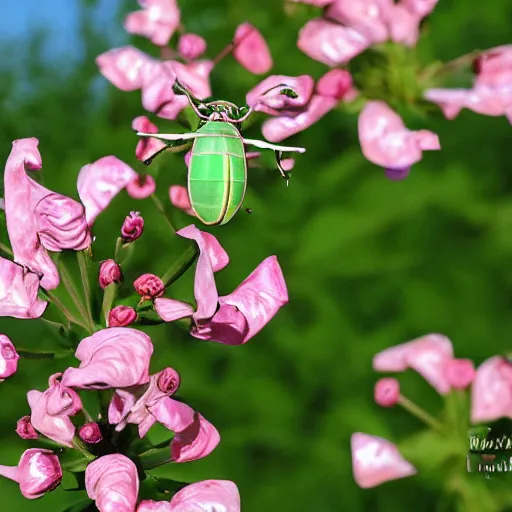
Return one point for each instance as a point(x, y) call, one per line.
point(160, 207)
point(420, 413)
point(184, 262)
point(84, 274)
point(44, 354)
point(77, 443)
point(65, 311)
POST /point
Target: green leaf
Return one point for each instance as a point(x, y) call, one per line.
point(73, 461)
point(82, 506)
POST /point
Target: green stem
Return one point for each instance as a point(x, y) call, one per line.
point(109, 295)
point(44, 354)
point(77, 443)
point(64, 310)
point(84, 274)
point(161, 209)
point(155, 457)
point(183, 263)
point(420, 413)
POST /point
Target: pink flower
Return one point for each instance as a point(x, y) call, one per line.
point(147, 147)
point(331, 43)
point(157, 21)
point(110, 272)
point(460, 373)
point(8, 358)
point(336, 83)
point(427, 355)
point(387, 392)
point(235, 318)
point(404, 26)
point(207, 496)
point(25, 429)
point(149, 286)
point(154, 506)
point(385, 140)
point(18, 292)
point(251, 49)
point(376, 460)
point(121, 316)
point(90, 433)
point(51, 410)
point(491, 392)
point(421, 8)
point(141, 187)
point(191, 46)
point(132, 228)
point(180, 199)
point(112, 482)
point(98, 183)
point(117, 357)
point(38, 219)
point(37, 473)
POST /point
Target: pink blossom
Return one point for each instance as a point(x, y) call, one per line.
point(376, 460)
point(8, 358)
point(90, 433)
point(207, 496)
point(180, 199)
point(387, 392)
point(331, 43)
point(25, 429)
point(149, 286)
point(18, 292)
point(110, 272)
point(147, 147)
point(51, 410)
point(191, 46)
point(98, 183)
point(121, 316)
point(112, 482)
point(385, 140)
point(427, 355)
point(336, 83)
point(154, 506)
point(116, 357)
point(157, 20)
point(251, 49)
point(491, 392)
point(37, 473)
point(404, 26)
point(132, 228)
point(37, 218)
point(421, 8)
point(460, 373)
point(141, 187)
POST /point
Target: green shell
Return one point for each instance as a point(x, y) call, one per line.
point(217, 173)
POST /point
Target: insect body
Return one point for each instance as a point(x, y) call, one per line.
point(217, 174)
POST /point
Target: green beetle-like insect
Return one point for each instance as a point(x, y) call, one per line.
point(217, 172)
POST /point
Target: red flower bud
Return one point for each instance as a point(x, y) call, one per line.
point(90, 433)
point(121, 316)
point(110, 272)
point(387, 392)
point(168, 381)
point(132, 227)
point(149, 286)
point(25, 429)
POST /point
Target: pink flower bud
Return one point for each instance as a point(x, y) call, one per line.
point(147, 147)
point(191, 46)
point(110, 272)
point(141, 187)
point(90, 433)
point(8, 358)
point(387, 392)
point(460, 373)
point(149, 286)
point(132, 227)
point(121, 316)
point(25, 429)
point(251, 49)
point(168, 381)
point(37, 473)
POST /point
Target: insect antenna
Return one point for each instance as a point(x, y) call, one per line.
point(179, 89)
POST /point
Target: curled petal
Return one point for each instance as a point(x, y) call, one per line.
point(141, 187)
point(171, 310)
point(8, 358)
point(180, 199)
point(191, 46)
point(251, 49)
point(112, 482)
point(116, 357)
point(279, 128)
point(274, 102)
point(123, 67)
point(172, 414)
point(376, 460)
point(206, 496)
point(427, 355)
point(120, 405)
point(146, 147)
point(491, 392)
point(18, 292)
point(98, 183)
point(330, 43)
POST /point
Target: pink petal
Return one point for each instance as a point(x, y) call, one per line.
point(172, 414)
point(123, 67)
point(206, 496)
point(420, 7)
point(336, 83)
point(18, 292)
point(427, 355)
point(8, 358)
point(154, 506)
point(180, 199)
point(330, 43)
point(116, 357)
point(141, 187)
point(191, 46)
point(146, 147)
point(491, 392)
point(376, 460)
point(98, 183)
point(171, 310)
point(450, 101)
point(404, 26)
point(279, 128)
point(120, 404)
point(251, 49)
point(112, 482)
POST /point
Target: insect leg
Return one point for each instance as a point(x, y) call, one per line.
point(170, 136)
point(267, 145)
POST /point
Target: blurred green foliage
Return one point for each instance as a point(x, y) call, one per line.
point(369, 263)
